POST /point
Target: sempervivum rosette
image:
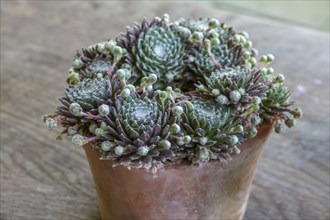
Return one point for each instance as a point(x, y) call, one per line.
point(164, 92)
point(90, 90)
point(211, 128)
point(201, 63)
point(98, 59)
point(239, 87)
point(215, 47)
point(276, 105)
point(139, 128)
point(82, 103)
point(154, 49)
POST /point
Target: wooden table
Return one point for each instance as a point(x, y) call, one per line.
point(45, 179)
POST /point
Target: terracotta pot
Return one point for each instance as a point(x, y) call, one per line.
point(212, 191)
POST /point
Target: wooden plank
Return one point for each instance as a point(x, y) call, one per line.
point(45, 179)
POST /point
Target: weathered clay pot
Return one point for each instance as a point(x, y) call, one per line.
point(212, 191)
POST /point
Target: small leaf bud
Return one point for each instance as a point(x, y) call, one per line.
point(222, 99)
point(50, 123)
point(203, 140)
point(189, 105)
point(223, 25)
point(242, 40)
point(248, 44)
point(169, 89)
point(177, 111)
point(100, 47)
point(104, 110)
point(144, 80)
point(99, 132)
point(125, 92)
point(163, 95)
point(214, 35)
point(256, 100)
point(72, 131)
point(202, 88)
point(215, 92)
point(252, 61)
point(235, 96)
point(158, 19)
point(278, 128)
point(152, 78)
point(125, 66)
point(110, 46)
point(241, 91)
point(75, 109)
point(186, 139)
point(184, 32)
point(78, 140)
point(119, 150)
point(297, 113)
point(130, 87)
point(215, 42)
point(73, 78)
point(255, 119)
point(213, 23)
point(143, 151)
point(233, 139)
point(246, 55)
point(174, 128)
point(104, 125)
point(203, 154)
point(239, 129)
point(197, 37)
point(252, 132)
point(71, 70)
point(164, 144)
point(290, 122)
point(121, 73)
point(107, 145)
point(270, 58)
point(77, 63)
point(180, 142)
point(207, 43)
point(263, 58)
point(236, 150)
point(270, 71)
point(280, 78)
point(92, 127)
point(236, 38)
point(149, 88)
point(166, 16)
point(254, 52)
point(118, 51)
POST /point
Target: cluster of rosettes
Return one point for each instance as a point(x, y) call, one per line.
point(166, 91)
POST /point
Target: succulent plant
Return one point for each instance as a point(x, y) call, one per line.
point(201, 64)
point(214, 129)
point(238, 87)
point(142, 126)
point(154, 49)
point(165, 91)
point(276, 107)
point(89, 90)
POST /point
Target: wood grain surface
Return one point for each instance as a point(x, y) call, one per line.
point(45, 179)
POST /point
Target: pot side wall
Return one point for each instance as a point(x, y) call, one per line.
point(212, 191)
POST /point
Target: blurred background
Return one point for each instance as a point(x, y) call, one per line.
point(42, 178)
point(313, 13)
